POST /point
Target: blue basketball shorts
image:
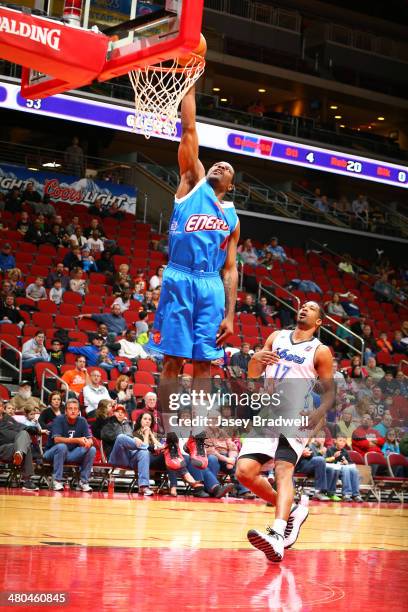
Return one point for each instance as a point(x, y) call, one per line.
point(190, 310)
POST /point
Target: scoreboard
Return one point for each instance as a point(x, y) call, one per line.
point(112, 115)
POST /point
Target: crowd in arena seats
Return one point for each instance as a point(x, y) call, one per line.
point(82, 302)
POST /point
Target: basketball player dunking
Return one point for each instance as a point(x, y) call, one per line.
point(290, 354)
point(197, 301)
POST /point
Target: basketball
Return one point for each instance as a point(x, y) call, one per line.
point(201, 50)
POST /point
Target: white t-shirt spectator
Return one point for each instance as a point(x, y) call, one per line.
point(154, 282)
point(123, 305)
point(95, 245)
point(131, 350)
point(93, 395)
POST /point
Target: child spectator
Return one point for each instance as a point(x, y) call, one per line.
point(139, 292)
point(88, 262)
point(108, 362)
point(36, 291)
point(77, 283)
point(391, 443)
point(57, 354)
point(384, 344)
point(337, 455)
point(56, 292)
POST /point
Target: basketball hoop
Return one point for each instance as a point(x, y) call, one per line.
point(159, 90)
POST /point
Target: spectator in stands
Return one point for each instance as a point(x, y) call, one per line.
point(122, 276)
point(397, 344)
point(157, 279)
point(94, 225)
point(241, 360)
point(114, 321)
point(7, 260)
point(88, 262)
point(384, 426)
point(130, 348)
point(155, 298)
point(266, 260)
point(109, 362)
point(106, 265)
point(36, 234)
point(257, 108)
point(94, 392)
point(370, 345)
point(388, 384)
point(102, 415)
point(123, 301)
point(335, 308)
point(391, 444)
point(78, 284)
point(95, 243)
point(74, 159)
point(222, 454)
point(24, 399)
point(34, 351)
point(77, 238)
point(70, 228)
point(346, 426)
point(338, 454)
point(311, 463)
point(70, 441)
point(9, 312)
point(346, 264)
point(15, 279)
point(6, 289)
point(338, 376)
point(57, 356)
point(73, 258)
point(14, 201)
point(123, 393)
point(365, 438)
point(373, 370)
point(55, 408)
point(125, 450)
point(89, 351)
point(248, 253)
point(23, 223)
point(278, 252)
point(78, 377)
point(36, 290)
point(384, 291)
point(15, 447)
point(44, 207)
point(30, 195)
point(264, 310)
point(384, 344)
point(359, 208)
point(248, 305)
point(140, 278)
point(378, 403)
point(141, 325)
point(57, 273)
point(151, 407)
point(349, 304)
point(56, 292)
point(322, 203)
point(147, 303)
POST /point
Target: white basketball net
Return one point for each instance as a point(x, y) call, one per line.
point(159, 91)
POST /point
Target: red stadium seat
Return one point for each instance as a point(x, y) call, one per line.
point(147, 365)
point(47, 306)
point(39, 369)
point(144, 377)
point(65, 322)
point(4, 393)
point(71, 310)
point(43, 320)
point(140, 389)
point(70, 297)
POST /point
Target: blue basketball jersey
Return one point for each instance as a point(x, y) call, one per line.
point(200, 228)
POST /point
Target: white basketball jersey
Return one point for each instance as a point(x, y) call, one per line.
point(296, 358)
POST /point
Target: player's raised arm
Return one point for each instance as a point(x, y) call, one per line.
point(191, 169)
point(263, 358)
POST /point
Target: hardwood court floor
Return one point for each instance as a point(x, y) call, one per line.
point(127, 553)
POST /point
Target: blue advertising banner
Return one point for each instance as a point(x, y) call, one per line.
point(69, 189)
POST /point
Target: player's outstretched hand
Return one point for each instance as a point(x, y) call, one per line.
point(225, 330)
point(266, 357)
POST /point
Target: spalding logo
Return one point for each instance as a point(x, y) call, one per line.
point(196, 223)
point(284, 354)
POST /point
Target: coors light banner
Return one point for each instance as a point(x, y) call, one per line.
point(69, 189)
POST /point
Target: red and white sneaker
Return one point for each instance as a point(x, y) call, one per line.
point(173, 456)
point(297, 517)
point(270, 543)
point(196, 449)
